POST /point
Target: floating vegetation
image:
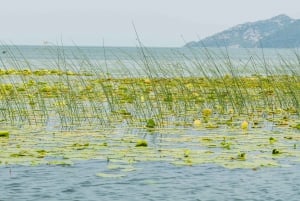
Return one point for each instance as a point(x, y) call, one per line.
point(297, 126)
point(197, 113)
point(197, 123)
point(107, 175)
point(150, 123)
point(187, 153)
point(60, 163)
point(244, 125)
point(225, 146)
point(275, 151)
point(141, 143)
point(241, 156)
point(272, 140)
point(4, 133)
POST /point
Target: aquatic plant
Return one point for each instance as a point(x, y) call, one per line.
point(195, 111)
point(244, 125)
point(150, 123)
point(4, 133)
point(197, 123)
point(141, 143)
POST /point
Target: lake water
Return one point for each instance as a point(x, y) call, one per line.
point(122, 61)
point(153, 181)
point(148, 180)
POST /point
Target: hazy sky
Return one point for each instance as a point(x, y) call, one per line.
point(158, 22)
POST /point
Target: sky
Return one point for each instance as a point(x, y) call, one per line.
point(159, 23)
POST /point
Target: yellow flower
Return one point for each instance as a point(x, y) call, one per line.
point(147, 81)
point(206, 112)
point(244, 125)
point(231, 111)
point(187, 153)
point(197, 123)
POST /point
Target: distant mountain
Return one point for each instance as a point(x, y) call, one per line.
point(277, 32)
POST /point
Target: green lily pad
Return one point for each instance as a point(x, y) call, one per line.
point(150, 123)
point(141, 143)
point(4, 133)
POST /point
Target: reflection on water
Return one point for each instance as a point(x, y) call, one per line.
point(151, 181)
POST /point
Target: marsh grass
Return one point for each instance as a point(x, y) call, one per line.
point(187, 107)
point(77, 91)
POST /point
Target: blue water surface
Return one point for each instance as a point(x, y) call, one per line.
point(151, 181)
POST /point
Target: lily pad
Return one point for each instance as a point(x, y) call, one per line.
point(4, 133)
point(141, 143)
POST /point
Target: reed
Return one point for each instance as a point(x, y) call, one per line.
point(74, 90)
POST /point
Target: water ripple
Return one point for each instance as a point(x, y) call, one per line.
point(152, 181)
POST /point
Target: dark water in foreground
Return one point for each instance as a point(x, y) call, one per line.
point(151, 181)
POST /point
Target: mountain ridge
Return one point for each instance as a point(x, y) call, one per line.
point(280, 31)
